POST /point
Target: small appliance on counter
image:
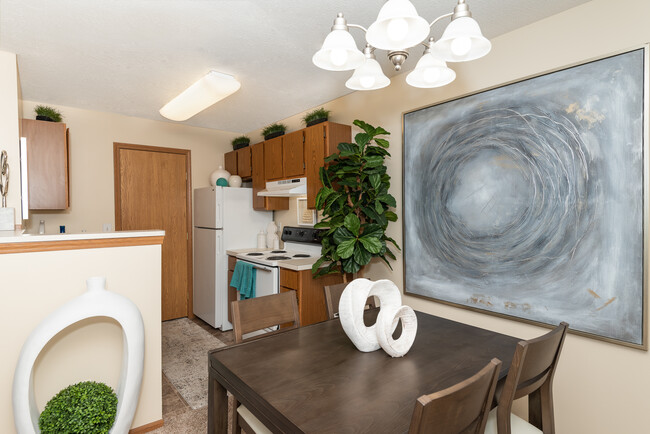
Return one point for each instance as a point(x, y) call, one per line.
point(223, 218)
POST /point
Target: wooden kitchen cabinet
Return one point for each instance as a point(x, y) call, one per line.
point(244, 166)
point(47, 164)
point(321, 140)
point(309, 293)
point(284, 156)
point(230, 162)
point(259, 182)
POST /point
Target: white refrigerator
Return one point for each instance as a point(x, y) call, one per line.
point(224, 219)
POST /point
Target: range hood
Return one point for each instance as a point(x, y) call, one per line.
point(285, 188)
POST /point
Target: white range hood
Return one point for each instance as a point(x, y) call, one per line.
point(285, 188)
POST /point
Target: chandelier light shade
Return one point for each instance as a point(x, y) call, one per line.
point(339, 52)
point(430, 72)
point(462, 41)
point(397, 29)
point(368, 76)
point(213, 87)
point(398, 26)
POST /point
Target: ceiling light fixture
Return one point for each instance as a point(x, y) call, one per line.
point(213, 87)
point(397, 28)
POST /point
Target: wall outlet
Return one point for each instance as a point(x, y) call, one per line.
point(106, 227)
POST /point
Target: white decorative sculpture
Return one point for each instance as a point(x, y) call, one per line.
point(96, 302)
point(367, 339)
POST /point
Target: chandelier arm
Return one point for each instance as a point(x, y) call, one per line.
point(440, 18)
point(356, 26)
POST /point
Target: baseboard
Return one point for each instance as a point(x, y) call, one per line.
point(146, 428)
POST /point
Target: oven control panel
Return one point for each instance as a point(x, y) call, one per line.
point(301, 235)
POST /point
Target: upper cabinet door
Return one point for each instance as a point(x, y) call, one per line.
point(47, 164)
point(244, 162)
point(293, 154)
point(273, 158)
point(230, 162)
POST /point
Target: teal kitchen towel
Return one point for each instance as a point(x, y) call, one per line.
point(243, 278)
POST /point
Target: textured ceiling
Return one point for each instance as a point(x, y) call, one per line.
point(131, 57)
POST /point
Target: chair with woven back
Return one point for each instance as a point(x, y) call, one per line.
point(530, 374)
point(253, 315)
point(333, 296)
point(461, 408)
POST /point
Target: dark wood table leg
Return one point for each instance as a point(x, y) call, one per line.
point(217, 406)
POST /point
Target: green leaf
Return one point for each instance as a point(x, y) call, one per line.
point(361, 255)
point(342, 234)
point(372, 244)
point(369, 129)
point(382, 142)
point(378, 207)
point(389, 239)
point(352, 223)
point(346, 248)
point(375, 180)
point(387, 199)
point(350, 266)
point(321, 225)
point(391, 216)
point(362, 139)
point(379, 131)
point(317, 264)
point(370, 213)
point(373, 160)
point(347, 149)
point(331, 157)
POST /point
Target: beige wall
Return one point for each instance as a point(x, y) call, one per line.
point(35, 284)
point(599, 387)
point(92, 135)
point(9, 138)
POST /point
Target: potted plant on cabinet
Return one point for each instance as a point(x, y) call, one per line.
point(356, 204)
point(316, 117)
point(46, 113)
point(87, 407)
point(273, 130)
point(240, 142)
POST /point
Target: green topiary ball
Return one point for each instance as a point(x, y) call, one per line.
point(86, 407)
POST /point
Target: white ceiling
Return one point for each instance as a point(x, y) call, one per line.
point(132, 56)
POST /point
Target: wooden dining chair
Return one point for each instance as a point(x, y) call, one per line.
point(252, 315)
point(530, 374)
point(333, 296)
point(461, 408)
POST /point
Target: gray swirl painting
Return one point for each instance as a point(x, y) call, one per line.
point(527, 200)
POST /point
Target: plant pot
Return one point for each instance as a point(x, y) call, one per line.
point(44, 118)
point(274, 135)
point(240, 145)
point(316, 121)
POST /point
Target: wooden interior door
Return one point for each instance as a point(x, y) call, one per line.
point(153, 191)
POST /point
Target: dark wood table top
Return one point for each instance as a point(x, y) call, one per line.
point(314, 380)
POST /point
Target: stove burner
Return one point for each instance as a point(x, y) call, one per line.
point(278, 251)
point(254, 254)
point(301, 255)
point(277, 258)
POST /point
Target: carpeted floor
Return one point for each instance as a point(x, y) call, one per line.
point(185, 347)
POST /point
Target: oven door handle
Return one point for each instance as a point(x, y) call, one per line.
point(268, 270)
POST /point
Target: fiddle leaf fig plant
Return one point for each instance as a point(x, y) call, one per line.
point(356, 204)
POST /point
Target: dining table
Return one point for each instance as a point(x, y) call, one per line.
point(314, 380)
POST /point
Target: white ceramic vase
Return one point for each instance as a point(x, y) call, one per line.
point(219, 173)
point(234, 181)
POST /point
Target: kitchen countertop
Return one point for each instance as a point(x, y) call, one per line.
point(19, 237)
point(297, 264)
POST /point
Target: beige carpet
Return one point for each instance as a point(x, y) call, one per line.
point(185, 347)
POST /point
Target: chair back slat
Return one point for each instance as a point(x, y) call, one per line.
point(259, 313)
point(462, 408)
point(333, 297)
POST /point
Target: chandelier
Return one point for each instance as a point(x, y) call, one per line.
point(399, 27)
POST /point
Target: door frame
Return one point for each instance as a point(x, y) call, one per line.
point(117, 147)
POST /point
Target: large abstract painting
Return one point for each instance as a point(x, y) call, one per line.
point(528, 200)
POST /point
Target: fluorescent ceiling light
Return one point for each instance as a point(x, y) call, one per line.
point(214, 87)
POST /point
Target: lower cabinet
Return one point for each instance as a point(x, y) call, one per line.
point(309, 293)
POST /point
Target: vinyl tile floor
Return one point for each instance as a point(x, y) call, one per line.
point(178, 417)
